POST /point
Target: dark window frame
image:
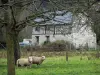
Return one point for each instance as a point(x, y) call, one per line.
point(37, 28)
point(47, 38)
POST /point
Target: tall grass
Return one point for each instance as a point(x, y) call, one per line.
point(3, 53)
point(25, 53)
point(57, 65)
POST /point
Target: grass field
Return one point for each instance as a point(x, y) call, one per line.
point(58, 66)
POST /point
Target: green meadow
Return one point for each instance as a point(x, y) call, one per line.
point(57, 65)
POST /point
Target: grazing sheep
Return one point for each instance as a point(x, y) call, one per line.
point(37, 60)
point(24, 61)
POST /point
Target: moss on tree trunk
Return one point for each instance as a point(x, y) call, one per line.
point(10, 53)
point(13, 50)
point(16, 47)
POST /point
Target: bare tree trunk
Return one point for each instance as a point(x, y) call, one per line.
point(10, 53)
point(13, 50)
point(16, 47)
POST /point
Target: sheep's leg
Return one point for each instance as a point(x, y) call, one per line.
point(38, 65)
point(30, 65)
point(17, 65)
point(22, 65)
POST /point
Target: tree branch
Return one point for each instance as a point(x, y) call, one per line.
point(12, 12)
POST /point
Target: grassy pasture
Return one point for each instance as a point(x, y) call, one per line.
point(57, 65)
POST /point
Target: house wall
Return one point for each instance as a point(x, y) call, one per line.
point(80, 38)
point(83, 39)
point(75, 38)
point(81, 34)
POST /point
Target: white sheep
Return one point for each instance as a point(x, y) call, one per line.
point(37, 60)
point(24, 61)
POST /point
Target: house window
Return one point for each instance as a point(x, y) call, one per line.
point(37, 39)
point(37, 29)
point(48, 38)
point(47, 28)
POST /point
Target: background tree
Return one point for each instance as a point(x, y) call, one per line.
point(25, 33)
point(94, 14)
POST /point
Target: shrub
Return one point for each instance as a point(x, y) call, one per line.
point(59, 45)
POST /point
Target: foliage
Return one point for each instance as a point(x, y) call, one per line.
point(25, 33)
point(46, 42)
point(94, 15)
point(59, 45)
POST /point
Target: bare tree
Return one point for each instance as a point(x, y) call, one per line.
point(14, 17)
point(16, 14)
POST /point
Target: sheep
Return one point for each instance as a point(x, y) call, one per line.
point(24, 62)
point(38, 60)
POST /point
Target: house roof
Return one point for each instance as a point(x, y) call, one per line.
point(57, 20)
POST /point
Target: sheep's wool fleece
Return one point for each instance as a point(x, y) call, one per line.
point(23, 61)
point(38, 59)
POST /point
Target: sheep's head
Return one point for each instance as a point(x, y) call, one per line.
point(43, 57)
point(30, 59)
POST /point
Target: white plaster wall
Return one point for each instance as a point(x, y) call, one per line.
point(79, 36)
point(53, 38)
point(79, 39)
point(76, 39)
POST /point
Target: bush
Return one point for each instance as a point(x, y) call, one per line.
point(59, 45)
point(46, 42)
